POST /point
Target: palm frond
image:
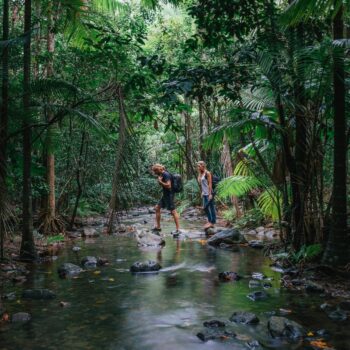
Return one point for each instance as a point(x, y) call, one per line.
point(237, 186)
point(270, 202)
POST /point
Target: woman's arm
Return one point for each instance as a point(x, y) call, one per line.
point(210, 183)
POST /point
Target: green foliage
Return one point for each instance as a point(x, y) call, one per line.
point(270, 203)
point(306, 253)
point(237, 186)
point(229, 214)
point(55, 239)
point(251, 219)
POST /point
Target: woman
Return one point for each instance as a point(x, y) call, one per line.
point(206, 180)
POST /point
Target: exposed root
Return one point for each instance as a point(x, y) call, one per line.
point(50, 225)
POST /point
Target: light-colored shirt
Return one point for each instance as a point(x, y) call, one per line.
point(204, 184)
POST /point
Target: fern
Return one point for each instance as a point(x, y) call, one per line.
point(237, 186)
point(270, 202)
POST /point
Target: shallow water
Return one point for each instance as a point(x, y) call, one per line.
point(113, 309)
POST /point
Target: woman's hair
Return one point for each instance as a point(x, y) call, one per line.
point(201, 162)
point(157, 167)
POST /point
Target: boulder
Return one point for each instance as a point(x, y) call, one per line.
point(89, 262)
point(146, 238)
point(258, 276)
point(145, 266)
point(69, 270)
point(251, 233)
point(256, 296)
point(21, 317)
point(254, 345)
point(90, 232)
point(244, 317)
point(38, 294)
point(271, 234)
point(281, 327)
point(9, 296)
point(228, 236)
point(260, 229)
point(228, 276)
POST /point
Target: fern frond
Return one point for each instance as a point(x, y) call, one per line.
point(237, 186)
point(270, 202)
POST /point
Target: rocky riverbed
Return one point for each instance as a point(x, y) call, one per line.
point(138, 290)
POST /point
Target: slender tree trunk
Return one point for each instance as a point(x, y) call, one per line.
point(337, 250)
point(122, 139)
point(201, 129)
point(78, 179)
point(3, 125)
point(228, 171)
point(188, 143)
point(50, 163)
point(27, 245)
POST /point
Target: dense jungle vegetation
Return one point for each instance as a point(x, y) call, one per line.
point(96, 91)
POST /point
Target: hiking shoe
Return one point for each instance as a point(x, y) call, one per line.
point(176, 233)
point(156, 231)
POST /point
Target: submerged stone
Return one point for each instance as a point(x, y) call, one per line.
point(228, 276)
point(145, 266)
point(69, 270)
point(244, 317)
point(254, 284)
point(256, 244)
point(21, 317)
point(282, 327)
point(215, 334)
point(256, 296)
point(38, 294)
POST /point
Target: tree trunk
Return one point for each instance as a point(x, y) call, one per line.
point(228, 171)
point(188, 143)
point(123, 126)
point(337, 250)
point(27, 251)
point(3, 126)
point(201, 129)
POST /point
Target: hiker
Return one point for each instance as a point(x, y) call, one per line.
point(205, 179)
point(167, 200)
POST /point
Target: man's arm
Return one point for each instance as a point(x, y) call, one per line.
point(210, 183)
point(165, 184)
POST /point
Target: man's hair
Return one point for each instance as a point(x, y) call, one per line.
point(201, 162)
point(157, 167)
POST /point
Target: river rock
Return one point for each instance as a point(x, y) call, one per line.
point(147, 239)
point(69, 270)
point(89, 262)
point(258, 276)
point(260, 229)
point(214, 324)
point(256, 296)
point(312, 287)
point(228, 276)
point(215, 334)
point(38, 294)
point(337, 315)
point(281, 327)
point(271, 234)
point(76, 249)
point(145, 266)
point(228, 236)
point(21, 317)
point(254, 284)
point(244, 317)
point(258, 244)
point(90, 232)
point(73, 234)
point(9, 296)
point(254, 345)
point(267, 285)
point(102, 261)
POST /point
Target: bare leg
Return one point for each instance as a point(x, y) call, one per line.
point(157, 216)
point(176, 219)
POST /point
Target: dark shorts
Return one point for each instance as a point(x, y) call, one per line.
point(167, 202)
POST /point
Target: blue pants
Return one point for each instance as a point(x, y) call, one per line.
point(209, 208)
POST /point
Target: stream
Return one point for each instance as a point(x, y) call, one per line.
point(110, 308)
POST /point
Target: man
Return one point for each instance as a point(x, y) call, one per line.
point(205, 179)
point(167, 200)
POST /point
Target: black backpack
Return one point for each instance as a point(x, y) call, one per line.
point(215, 181)
point(176, 183)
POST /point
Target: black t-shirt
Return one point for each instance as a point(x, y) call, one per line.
point(165, 178)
